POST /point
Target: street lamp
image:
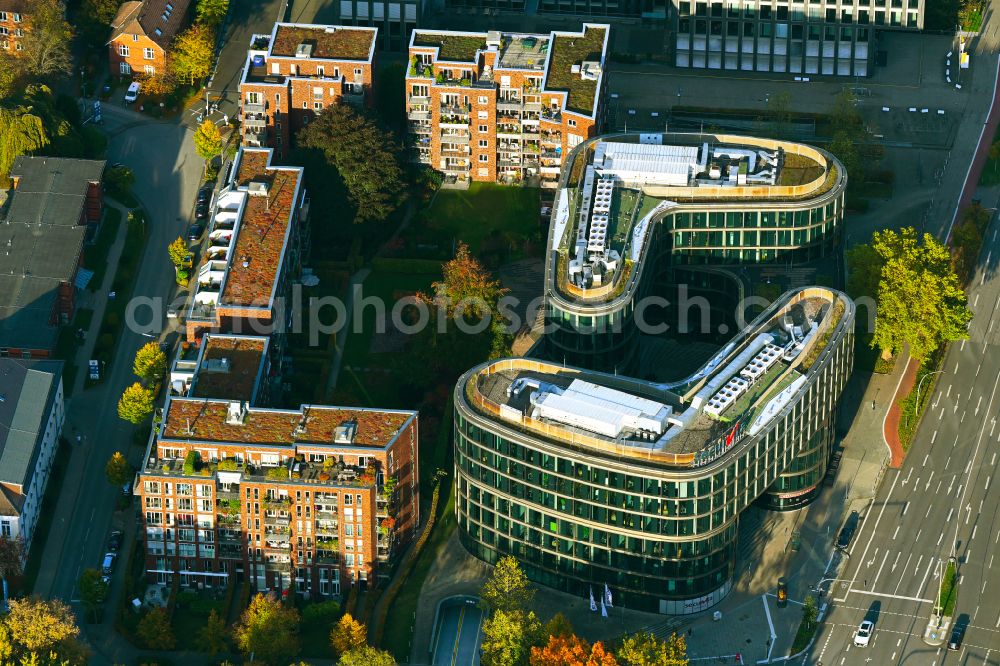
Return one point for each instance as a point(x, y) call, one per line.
point(920, 383)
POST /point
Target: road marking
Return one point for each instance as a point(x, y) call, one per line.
point(941, 415)
point(872, 561)
point(962, 348)
point(879, 572)
point(896, 561)
point(933, 437)
point(968, 466)
point(894, 534)
point(895, 480)
point(978, 403)
point(993, 459)
point(907, 505)
point(916, 569)
point(983, 591)
point(907, 479)
point(987, 483)
point(976, 302)
point(964, 412)
point(991, 562)
point(938, 489)
point(951, 484)
point(929, 484)
point(941, 536)
point(974, 528)
point(959, 491)
point(919, 532)
point(905, 565)
point(928, 508)
point(948, 395)
point(948, 461)
point(886, 595)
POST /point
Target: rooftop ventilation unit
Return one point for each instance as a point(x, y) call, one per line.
point(329, 29)
point(218, 365)
point(236, 414)
point(590, 70)
point(258, 188)
point(493, 39)
point(345, 432)
point(304, 50)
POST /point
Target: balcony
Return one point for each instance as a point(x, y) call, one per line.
point(455, 169)
point(231, 551)
point(533, 106)
point(530, 135)
point(455, 152)
point(419, 114)
point(419, 99)
point(285, 519)
point(456, 109)
point(552, 115)
point(327, 530)
point(461, 139)
point(255, 121)
point(277, 535)
point(453, 122)
point(255, 138)
point(326, 559)
point(354, 98)
point(512, 105)
point(278, 565)
point(254, 108)
point(230, 537)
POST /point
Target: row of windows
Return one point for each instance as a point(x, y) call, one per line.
point(147, 53)
point(745, 239)
point(10, 16)
point(780, 12)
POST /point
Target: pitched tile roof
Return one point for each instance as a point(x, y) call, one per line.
point(263, 230)
point(160, 20)
point(207, 422)
point(327, 41)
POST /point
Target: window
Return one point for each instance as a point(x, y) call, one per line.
point(483, 115)
point(483, 100)
point(135, 38)
point(17, 18)
point(123, 50)
point(4, 31)
point(484, 128)
point(148, 54)
point(149, 69)
point(3, 16)
point(572, 123)
point(484, 158)
point(158, 32)
point(125, 68)
point(5, 528)
point(318, 106)
point(320, 71)
point(484, 143)
point(357, 71)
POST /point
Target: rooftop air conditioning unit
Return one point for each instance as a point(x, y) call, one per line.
point(493, 39)
point(303, 50)
point(345, 432)
point(236, 414)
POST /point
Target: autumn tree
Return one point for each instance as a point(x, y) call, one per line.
point(158, 84)
point(509, 636)
point(118, 470)
point(93, 591)
point(507, 588)
point(212, 636)
point(41, 625)
point(366, 655)
point(47, 39)
point(645, 649)
point(571, 651)
point(192, 52)
point(150, 362)
point(155, 631)
point(211, 12)
point(348, 634)
point(136, 403)
point(177, 250)
point(920, 301)
point(269, 630)
point(365, 156)
point(208, 140)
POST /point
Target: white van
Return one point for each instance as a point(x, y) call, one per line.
point(132, 93)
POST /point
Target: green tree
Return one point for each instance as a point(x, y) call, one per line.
point(93, 591)
point(177, 251)
point(366, 656)
point(920, 300)
point(136, 404)
point(150, 362)
point(508, 588)
point(645, 649)
point(967, 239)
point(809, 611)
point(559, 625)
point(365, 156)
point(212, 636)
point(348, 634)
point(509, 636)
point(21, 132)
point(864, 270)
point(211, 12)
point(118, 181)
point(208, 140)
point(192, 53)
point(269, 630)
point(155, 631)
point(47, 40)
point(118, 470)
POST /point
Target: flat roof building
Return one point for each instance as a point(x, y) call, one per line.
point(504, 107)
point(297, 71)
point(45, 223)
point(591, 478)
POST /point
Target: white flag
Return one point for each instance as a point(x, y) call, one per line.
point(593, 606)
point(604, 611)
point(607, 596)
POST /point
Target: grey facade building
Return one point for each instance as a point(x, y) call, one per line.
point(395, 19)
point(792, 36)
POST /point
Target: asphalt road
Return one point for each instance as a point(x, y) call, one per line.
point(946, 493)
point(168, 174)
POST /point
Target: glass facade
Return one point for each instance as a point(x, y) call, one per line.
point(663, 538)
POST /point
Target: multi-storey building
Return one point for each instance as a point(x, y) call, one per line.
point(141, 33)
point(53, 203)
point(254, 250)
point(833, 38)
point(591, 478)
point(395, 19)
point(32, 414)
point(298, 70)
point(648, 10)
point(502, 107)
point(233, 367)
point(304, 500)
point(632, 211)
point(13, 21)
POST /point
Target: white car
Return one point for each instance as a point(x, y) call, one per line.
point(132, 93)
point(864, 633)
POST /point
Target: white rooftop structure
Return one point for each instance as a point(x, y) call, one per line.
point(649, 164)
point(602, 410)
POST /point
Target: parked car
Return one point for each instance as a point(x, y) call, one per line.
point(195, 230)
point(847, 531)
point(127, 489)
point(115, 541)
point(201, 208)
point(863, 636)
point(108, 565)
point(957, 634)
point(132, 93)
point(205, 194)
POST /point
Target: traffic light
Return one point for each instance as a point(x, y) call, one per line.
point(782, 593)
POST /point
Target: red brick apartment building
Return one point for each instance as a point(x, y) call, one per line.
point(254, 250)
point(13, 21)
point(141, 34)
point(504, 107)
point(307, 501)
point(54, 202)
point(297, 71)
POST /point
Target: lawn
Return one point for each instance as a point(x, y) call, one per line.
point(95, 257)
point(949, 591)
point(489, 218)
point(190, 616)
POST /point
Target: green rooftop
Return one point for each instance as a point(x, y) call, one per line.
point(574, 50)
point(452, 47)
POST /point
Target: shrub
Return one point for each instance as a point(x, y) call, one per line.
point(228, 465)
point(320, 612)
point(277, 473)
point(192, 462)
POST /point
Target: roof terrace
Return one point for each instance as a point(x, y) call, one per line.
point(575, 66)
point(739, 393)
point(452, 46)
point(524, 52)
point(223, 367)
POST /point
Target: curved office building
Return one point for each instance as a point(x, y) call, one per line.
point(591, 478)
point(634, 210)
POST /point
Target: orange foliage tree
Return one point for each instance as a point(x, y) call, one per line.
point(571, 651)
